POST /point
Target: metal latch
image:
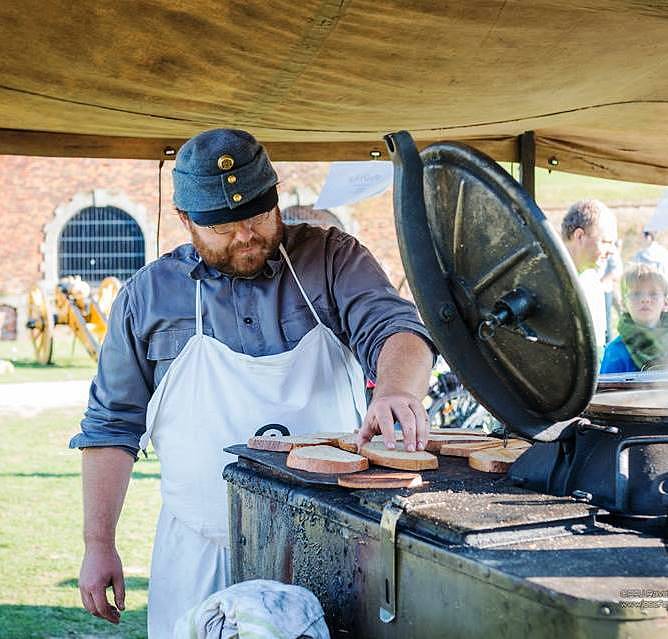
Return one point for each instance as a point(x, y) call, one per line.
point(388, 554)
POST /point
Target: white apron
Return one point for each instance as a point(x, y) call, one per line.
point(212, 397)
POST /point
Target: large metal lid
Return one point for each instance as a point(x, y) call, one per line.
point(494, 284)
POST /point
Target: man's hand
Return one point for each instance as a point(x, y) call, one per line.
point(404, 365)
point(105, 473)
point(401, 407)
point(101, 568)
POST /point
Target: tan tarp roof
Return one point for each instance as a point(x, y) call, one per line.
point(325, 79)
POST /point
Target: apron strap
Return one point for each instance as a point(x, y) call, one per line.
point(299, 284)
point(198, 309)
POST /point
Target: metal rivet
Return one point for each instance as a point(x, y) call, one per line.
point(237, 197)
point(225, 162)
point(553, 161)
point(375, 154)
point(231, 179)
point(606, 611)
point(169, 151)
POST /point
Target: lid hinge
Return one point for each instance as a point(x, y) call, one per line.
point(388, 553)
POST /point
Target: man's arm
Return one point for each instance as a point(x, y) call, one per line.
point(388, 339)
point(404, 366)
point(105, 475)
point(111, 429)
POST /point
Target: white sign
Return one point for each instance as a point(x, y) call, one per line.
point(659, 220)
point(349, 182)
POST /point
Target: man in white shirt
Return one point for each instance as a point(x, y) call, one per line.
point(589, 230)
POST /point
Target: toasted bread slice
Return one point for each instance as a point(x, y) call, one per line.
point(496, 460)
point(380, 480)
point(333, 436)
point(437, 440)
point(465, 449)
point(458, 431)
point(325, 459)
point(398, 458)
point(282, 444)
point(349, 443)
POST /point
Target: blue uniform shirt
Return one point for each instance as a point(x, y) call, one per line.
point(154, 316)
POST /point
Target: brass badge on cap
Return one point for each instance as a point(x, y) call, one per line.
point(225, 162)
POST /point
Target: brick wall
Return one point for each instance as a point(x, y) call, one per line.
point(32, 189)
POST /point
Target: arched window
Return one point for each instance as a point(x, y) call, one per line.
point(100, 241)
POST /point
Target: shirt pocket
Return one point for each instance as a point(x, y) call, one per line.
point(296, 324)
point(165, 346)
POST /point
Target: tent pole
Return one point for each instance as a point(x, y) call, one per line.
point(527, 152)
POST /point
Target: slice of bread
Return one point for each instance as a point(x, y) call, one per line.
point(398, 436)
point(398, 458)
point(283, 444)
point(496, 460)
point(436, 440)
point(380, 480)
point(458, 431)
point(465, 449)
point(349, 443)
point(330, 436)
point(325, 459)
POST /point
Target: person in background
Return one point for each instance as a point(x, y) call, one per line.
point(652, 253)
point(611, 275)
point(643, 328)
point(589, 230)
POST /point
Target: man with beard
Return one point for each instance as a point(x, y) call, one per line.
point(253, 324)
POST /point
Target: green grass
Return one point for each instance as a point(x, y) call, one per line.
point(70, 361)
point(40, 533)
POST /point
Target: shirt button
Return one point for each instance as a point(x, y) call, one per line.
point(248, 320)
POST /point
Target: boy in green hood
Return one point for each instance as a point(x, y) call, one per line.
point(643, 329)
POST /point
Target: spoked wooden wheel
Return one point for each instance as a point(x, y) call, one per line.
point(40, 324)
point(107, 292)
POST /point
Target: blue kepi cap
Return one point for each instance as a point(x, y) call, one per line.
point(223, 175)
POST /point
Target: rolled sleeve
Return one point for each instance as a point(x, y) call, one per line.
point(370, 308)
point(120, 392)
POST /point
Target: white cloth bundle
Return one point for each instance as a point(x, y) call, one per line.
point(259, 608)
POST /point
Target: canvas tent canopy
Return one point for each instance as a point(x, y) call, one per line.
point(325, 79)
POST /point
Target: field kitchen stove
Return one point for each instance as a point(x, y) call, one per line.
point(571, 542)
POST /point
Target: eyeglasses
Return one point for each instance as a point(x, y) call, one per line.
point(654, 297)
point(230, 227)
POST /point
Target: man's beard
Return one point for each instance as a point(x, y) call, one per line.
point(231, 261)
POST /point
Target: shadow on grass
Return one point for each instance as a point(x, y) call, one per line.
point(131, 583)
point(60, 622)
point(26, 364)
point(135, 475)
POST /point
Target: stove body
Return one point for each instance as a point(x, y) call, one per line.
point(469, 555)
